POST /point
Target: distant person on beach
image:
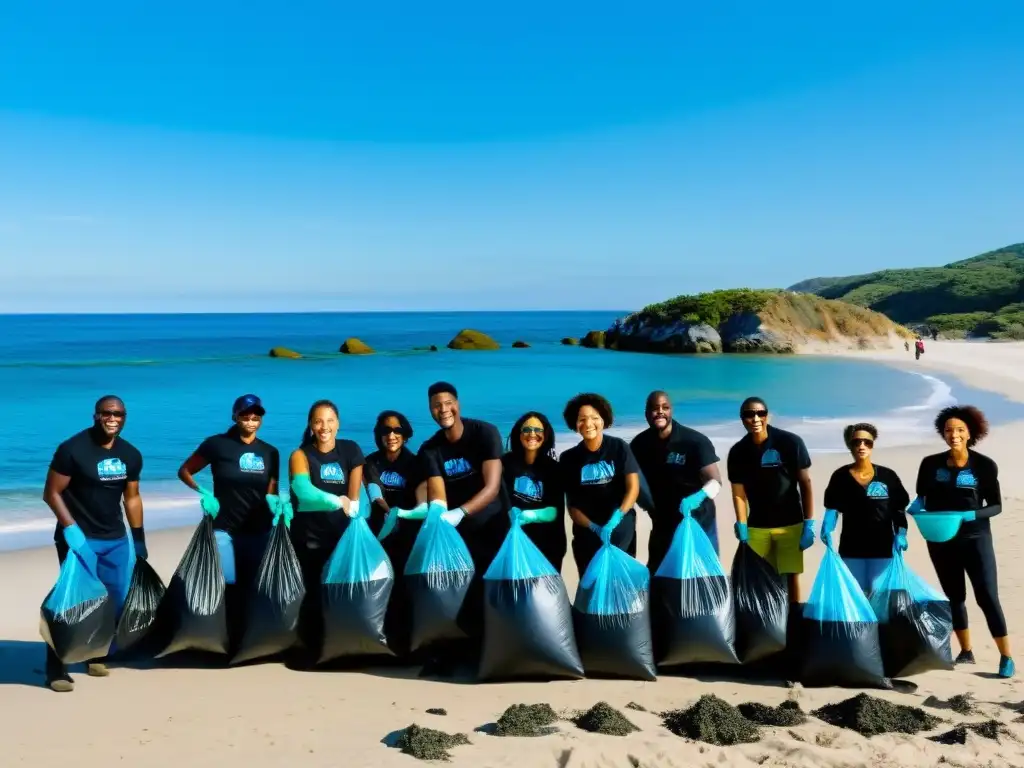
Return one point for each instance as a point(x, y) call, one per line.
point(90, 474)
point(935, 334)
point(325, 475)
point(681, 466)
point(533, 482)
point(602, 481)
point(918, 348)
point(872, 501)
point(963, 480)
point(769, 470)
point(244, 470)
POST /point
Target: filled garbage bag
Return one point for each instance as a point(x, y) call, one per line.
point(272, 607)
point(528, 630)
point(839, 644)
point(138, 617)
point(761, 602)
point(77, 615)
point(691, 603)
point(914, 621)
point(437, 576)
point(612, 617)
point(193, 606)
point(356, 585)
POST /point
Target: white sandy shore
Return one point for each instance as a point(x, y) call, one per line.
point(269, 716)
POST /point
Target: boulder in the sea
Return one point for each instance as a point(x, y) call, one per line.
point(520, 345)
point(569, 341)
point(433, 348)
point(745, 332)
point(290, 354)
point(354, 346)
point(467, 338)
point(593, 340)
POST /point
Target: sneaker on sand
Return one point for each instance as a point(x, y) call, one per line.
point(60, 683)
point(965, 657)
point(96, 669)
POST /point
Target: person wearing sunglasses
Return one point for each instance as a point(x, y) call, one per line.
point(244, 470)
point(532, 479)
point(962, 480)
point(769, 470)
point(90, 475)
point(872, 501)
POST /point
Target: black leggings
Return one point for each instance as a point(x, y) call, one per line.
point(974, 557)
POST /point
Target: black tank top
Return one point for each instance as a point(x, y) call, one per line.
point(329, 472)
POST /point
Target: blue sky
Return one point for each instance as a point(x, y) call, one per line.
point(233, 157)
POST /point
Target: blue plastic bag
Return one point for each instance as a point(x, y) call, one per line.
point(77, 615)
point(357, 582)
point(528, 628)
point(612, 617)
point(692, 617)
point(915, 621)
point(840, 631)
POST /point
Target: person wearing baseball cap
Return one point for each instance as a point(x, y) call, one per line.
point(244, 470)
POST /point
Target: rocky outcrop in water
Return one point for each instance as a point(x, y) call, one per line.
point(284, 352)
point(354, 346)
point(471, 339)
point(593, 340)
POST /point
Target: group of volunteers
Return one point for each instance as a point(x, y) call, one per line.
point(668, 470)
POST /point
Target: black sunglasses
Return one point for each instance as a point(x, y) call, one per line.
point(857, 441)
point(391, 430)
point(532, 430)
point(110, 413)
point(751, 413)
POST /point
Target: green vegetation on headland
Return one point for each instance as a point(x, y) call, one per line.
point(980, 296)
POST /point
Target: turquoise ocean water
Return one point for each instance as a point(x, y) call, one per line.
point(180, 373)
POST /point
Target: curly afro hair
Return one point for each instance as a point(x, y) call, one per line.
point(862, 426)
point(975, 420)
point(595, 401)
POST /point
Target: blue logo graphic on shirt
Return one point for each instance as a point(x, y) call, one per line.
point(112, 469)
point(942, 475)
point(250, 462)
point(391, 479)
point(771, 458)
point(877, 490)
point(528, 488)
point(600, 473)
point(676, 458)
point(457, 467)
point(332, 473)
point(966, 479)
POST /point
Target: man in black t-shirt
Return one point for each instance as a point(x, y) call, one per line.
point(90, 474)
point(681, 467)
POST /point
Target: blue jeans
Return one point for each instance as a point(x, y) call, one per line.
point(240, 556)
point(866, 569)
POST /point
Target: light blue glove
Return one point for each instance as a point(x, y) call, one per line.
point(741, 532)
point(389, 525)
point(210, 504)
point(419, 512)
point(969, 517)
point(451, 516)
point(900, 542)
point(76, 542)
point(917, 505)
point(524, 516)
point(281, 509)
point(613, 522)
point(828, 524)
point(807, 537)
point(691, 503)
point(373, 492)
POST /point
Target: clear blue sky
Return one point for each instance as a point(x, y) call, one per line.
point(236, 156)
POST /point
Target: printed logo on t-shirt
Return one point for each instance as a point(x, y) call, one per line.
point(391, 479)
point(528, 488)
point(676, 458)
point(112, 469)
point(601, 473)
point(966, 479)
point(332, 473)
point(878, 490)
point(250, 462)
point(942, 475)
point(771, 458)
point(458, 468)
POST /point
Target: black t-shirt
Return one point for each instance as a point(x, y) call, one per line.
point(595, 481)
point(460, 465)
point(871, 514)
point(768, 473)
point(537, 486)
point(329, 472)
point(960, 489)
point(397, 479)
point(241, 479)
point(672, 468)
point(99, 477)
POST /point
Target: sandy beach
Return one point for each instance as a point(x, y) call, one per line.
point(266, 715)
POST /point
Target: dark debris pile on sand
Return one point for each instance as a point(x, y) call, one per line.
point(990, 729)
point(712, 720)
point(428, 744)
point(437, 711)
point(962, 704)
point(871, 716)
point(602, 718)
point(788, 713)
point(527, 720)
point(636, 707)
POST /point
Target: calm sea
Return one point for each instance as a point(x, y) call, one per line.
point(179, 374)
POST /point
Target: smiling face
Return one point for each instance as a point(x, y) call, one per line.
point(444, 408)
point(659, 411)
point(861, 445)
point(110, 416)
point(589, 423)
point(248, 422)
point(755, 418)
point(956, 434)
point(324, 424)
point(392, 436)
point(531, 434)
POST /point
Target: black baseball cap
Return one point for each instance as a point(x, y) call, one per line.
point(247, 403)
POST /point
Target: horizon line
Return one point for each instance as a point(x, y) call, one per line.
point(310, 312)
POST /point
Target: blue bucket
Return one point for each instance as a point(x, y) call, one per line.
point(938, 526)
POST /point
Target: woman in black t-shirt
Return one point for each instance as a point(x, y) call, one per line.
point(963, 480)
point(601, 479)
point(532, 478)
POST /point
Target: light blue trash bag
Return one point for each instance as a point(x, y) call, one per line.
point(77, 616)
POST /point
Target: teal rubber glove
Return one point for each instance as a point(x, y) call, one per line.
point(691, 503)
point(807, 537)
point(741, 532)
point(419, 512)
point(611, 525)
point(900, 542)
point(373, 492)
point(828, 524)
point(76, 542)
point(311, 498)
point(281, 508)
point(545, 515)
point(917, 505)
point(209, 503)
point(451, 516)
point(389, 525)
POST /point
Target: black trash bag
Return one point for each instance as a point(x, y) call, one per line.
point(76, 618)
point(691, 603)
point(193, 606)
point(141, 607)
point(761, 603)
point(915, 621)
point(272, 607)
point(840, 645)
point(356, 585)
point(612, 617)
point(528, 630)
